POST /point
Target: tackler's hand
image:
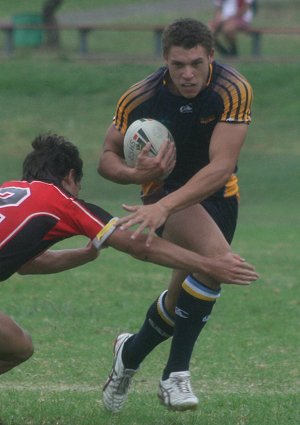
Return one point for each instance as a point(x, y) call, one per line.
point(149, 217)
point(232, 269)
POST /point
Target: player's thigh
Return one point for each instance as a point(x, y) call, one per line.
point(234, 24)
point(14, 341)
point(194, 229)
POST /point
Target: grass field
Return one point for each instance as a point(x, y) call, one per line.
point(245, 368)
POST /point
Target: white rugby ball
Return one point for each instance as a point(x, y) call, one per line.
point(141, 132)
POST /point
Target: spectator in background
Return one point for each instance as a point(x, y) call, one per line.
point(230, 17)
point(49, 10)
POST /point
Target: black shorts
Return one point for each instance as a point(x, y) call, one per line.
point(224, 211)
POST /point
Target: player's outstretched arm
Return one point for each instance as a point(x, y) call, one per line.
point(229, 268)
point(55, 261)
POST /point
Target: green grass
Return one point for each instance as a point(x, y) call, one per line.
point(33, 92)
point(245, 366)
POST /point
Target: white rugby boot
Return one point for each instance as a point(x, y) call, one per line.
point(176, 392)
point(115, 390)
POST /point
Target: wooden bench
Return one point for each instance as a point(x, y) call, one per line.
point(84, 31)
point(257, 33)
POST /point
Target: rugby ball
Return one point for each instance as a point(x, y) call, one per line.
point(141, 132)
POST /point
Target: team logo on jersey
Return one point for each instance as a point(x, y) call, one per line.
point(207, 120)
point(186, 109)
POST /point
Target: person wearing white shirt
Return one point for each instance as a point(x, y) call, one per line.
point(230, 17)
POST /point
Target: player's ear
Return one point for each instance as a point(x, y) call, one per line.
point(211, 56)
point(70, 184)
point(165, 59)
point(69, 178)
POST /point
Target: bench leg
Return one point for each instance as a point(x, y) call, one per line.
point(256, 44)
point(9, 41)
point(83, 40)
point(157, 43)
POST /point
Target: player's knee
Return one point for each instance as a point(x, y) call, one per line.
point(208, 281)
point(21, 350)
point(15, 354)
point(25, 349)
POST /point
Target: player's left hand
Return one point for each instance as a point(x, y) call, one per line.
point(149, 217)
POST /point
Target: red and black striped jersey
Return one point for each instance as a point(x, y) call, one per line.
point(34, 216)
point(227, 97)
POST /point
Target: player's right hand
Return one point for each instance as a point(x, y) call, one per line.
point(156, 167)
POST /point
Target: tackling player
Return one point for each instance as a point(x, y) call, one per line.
point(43, 208)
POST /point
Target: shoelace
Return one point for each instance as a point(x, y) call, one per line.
point(123, 383)
point(183, 384)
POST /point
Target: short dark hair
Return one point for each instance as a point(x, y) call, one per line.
point(52, 159)
point(186, 33)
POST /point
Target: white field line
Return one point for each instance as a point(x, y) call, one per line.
point(84, 388)
point(51, 388)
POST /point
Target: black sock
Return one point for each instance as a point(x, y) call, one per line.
point(158, 327)
point(193, 309)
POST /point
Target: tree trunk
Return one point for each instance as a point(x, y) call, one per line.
point(48, 14)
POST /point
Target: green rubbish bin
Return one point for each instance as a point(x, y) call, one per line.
point(28, 37)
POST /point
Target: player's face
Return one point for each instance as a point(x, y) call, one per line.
point(188, 69)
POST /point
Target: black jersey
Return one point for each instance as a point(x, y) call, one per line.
point(34, 216)
point(227, 98)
